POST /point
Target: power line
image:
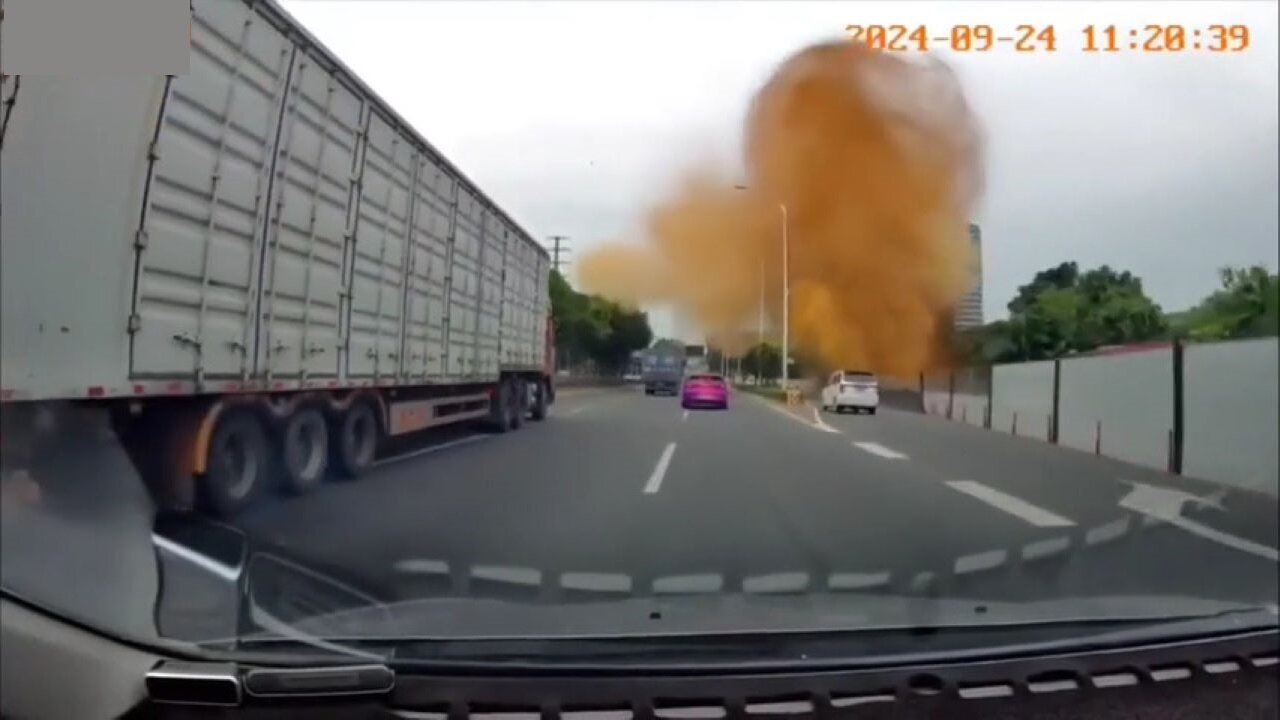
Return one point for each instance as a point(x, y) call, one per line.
point(559, 246)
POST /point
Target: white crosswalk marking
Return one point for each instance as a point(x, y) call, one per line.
point(1014, 506)
point(878, 449)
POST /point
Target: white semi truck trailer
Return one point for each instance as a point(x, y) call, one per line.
point(258, 269)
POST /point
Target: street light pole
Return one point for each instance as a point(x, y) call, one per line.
point(786, 303)
point(786, 296)
point(760, 327)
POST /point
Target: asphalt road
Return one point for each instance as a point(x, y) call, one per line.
point(618, 492)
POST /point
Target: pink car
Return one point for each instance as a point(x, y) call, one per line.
point(705, 391)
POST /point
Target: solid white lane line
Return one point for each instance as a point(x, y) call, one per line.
point(878, 449)
point(779, 409)
point(1227, 539)
point(655, 480)
point(433, 448)
point(820, 423)
point(1014, 506)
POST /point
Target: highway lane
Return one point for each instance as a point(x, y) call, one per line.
point(623, 493)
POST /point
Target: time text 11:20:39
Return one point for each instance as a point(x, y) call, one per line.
point(1172, 38)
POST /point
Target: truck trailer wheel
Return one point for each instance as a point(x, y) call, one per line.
point(354, 439)
point(304, 450)
point(237, 464)
point(499, 420)
point(519, 402)
point(539, 410)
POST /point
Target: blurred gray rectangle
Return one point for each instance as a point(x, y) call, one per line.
point(96, 37)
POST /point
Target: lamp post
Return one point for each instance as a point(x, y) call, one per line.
point(786, 296)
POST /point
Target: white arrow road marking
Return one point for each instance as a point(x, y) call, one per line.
point(655, 480)
point(1166, 504)
point(1014, 506)
point(878, 449)
point(686, 415)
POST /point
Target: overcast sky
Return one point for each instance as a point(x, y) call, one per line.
point(576, 116)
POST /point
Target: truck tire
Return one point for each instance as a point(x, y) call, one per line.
point(354, 440)
point(519, 402)
point(237, 465)
point(539, 410)
point(499, 420)
point(303, 451)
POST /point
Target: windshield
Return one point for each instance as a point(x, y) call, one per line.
point(349, 329)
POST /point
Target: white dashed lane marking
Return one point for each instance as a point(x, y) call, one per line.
point(878, 449)
point(660, 470)
point(1016, 507)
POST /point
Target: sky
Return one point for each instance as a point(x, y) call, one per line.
point(576, 117)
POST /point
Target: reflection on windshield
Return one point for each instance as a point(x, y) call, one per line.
point(336, 392)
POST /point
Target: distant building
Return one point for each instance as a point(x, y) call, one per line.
point(969, 311)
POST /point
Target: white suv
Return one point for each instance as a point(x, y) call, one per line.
point(855, 389)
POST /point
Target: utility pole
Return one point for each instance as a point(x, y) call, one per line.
point(559, 245)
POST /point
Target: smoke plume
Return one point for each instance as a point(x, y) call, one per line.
point(876, 160)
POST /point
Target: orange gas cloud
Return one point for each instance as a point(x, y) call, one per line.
point(876, 161)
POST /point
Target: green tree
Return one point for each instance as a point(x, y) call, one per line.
point(628, 330)
point(1063, 311)
point(764, 361)
point(1062, 276)
point(1247, 305)
point(590, 327)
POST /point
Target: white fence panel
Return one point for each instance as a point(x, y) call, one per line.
point(1125, 399)
point(1023, 392)
point(1229, 413)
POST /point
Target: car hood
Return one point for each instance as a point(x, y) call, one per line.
point(486, 619)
